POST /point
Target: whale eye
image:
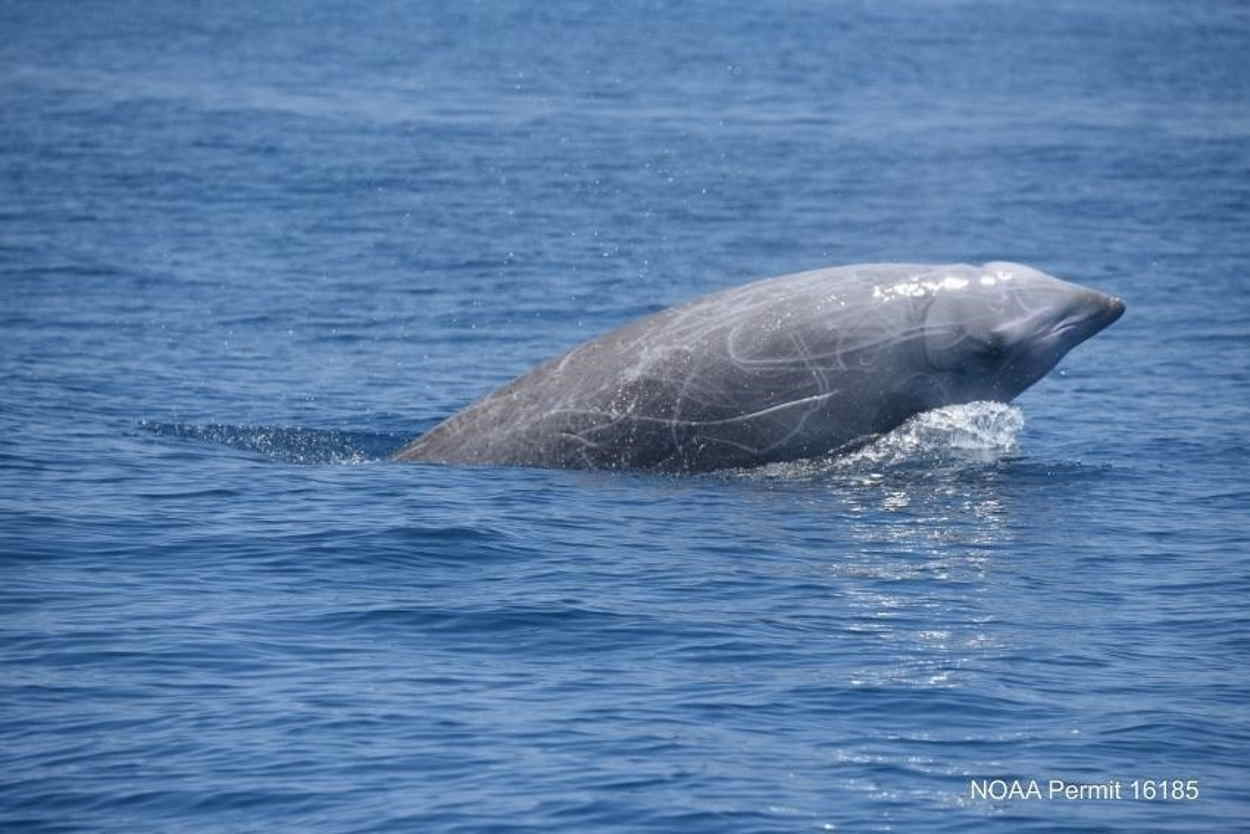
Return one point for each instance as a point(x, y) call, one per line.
point(993, 346)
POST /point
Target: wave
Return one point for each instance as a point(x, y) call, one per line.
point(288, 444)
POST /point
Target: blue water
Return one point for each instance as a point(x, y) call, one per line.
point(248, 249)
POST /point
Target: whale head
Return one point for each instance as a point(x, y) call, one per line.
point(990, 332)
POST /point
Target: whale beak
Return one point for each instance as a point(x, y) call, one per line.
point(1114, 309)
point(1091, 313)
point(1046, 337)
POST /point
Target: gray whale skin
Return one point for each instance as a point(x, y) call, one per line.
point(785, 368)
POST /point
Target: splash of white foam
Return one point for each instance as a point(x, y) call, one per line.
point(979, 432)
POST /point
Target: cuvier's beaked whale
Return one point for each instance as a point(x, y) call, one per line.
point(780, 369)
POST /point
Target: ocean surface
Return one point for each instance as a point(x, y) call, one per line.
point(249, 249)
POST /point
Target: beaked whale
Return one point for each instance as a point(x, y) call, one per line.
point(784, 368)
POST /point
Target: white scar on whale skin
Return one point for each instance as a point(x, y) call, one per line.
point(779, 369)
